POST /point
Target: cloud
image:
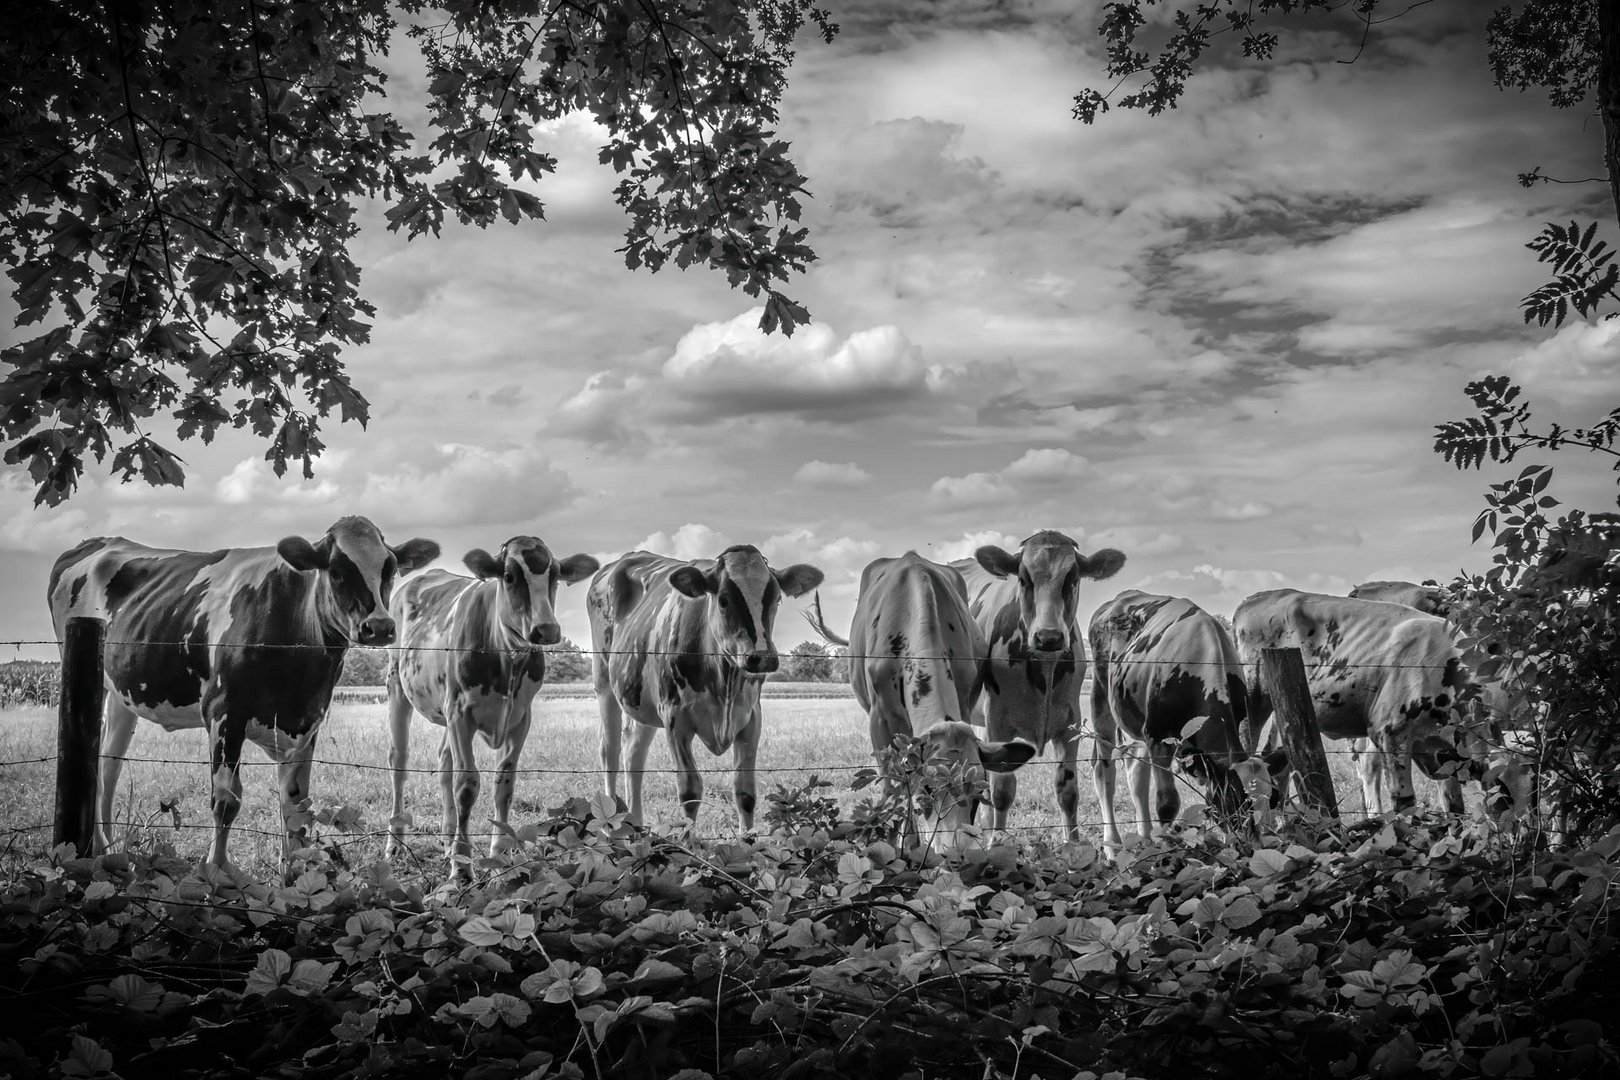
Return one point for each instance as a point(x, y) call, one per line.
point(832, 476)
point(462, 485)
point(733, 368)
point(974, 489)
point(1048, 466)
point(1575, 366)
point(694, 540)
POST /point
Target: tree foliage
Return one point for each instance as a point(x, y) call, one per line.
point(179, 185)
point(1542, 625)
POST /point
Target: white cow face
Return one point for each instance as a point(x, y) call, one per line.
point(956, 762)
point(743, 593)
point(528, 574)
point(359, 570)
point(1049, 567)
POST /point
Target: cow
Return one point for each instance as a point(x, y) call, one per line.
point(1164, 669)
point(1485, 737)
point(685, 646)
point(244, 642)
point(1378, 671)
point(1035, 660)
point(915, 666)
point(1428, 598)
point(471, 660)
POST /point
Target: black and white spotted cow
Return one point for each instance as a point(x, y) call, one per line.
point(916, 668)
point(245, 642)
point(685, 646)
point(1164, 669)
point(471, 660)
point(1024, 606)
point(1377, 671)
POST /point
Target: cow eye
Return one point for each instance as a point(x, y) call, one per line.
point(723, 604)
point(510, 577)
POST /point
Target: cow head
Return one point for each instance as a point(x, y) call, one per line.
point(742, 592)
point(955, 761)
point(358, 570)
point(1430, 597)
point(528, 574)
point(1049, 567)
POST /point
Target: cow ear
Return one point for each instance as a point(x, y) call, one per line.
point(1005, 756)
point(577, 568)
point(482, 564)
point(1102, 564)
point(415, 554)
point(302, 555)
point(997, 561)
point(688, 580)
point(798, 579)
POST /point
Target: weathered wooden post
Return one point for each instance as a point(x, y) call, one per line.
point(78, 733)
point(1282, 673)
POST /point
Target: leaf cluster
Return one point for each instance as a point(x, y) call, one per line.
point(179, 187)
point(1584, 272)
point(1500, 430)
point(592, 948)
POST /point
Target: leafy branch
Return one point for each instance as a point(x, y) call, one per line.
point(1584, 269)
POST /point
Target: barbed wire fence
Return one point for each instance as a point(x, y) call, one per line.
point(715, 799)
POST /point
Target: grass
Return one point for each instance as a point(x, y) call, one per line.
point(803, 735)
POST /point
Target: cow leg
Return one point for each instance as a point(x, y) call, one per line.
point(506, 775)
point(116, 731)
point(1103, 734)
point(743, 752)
point(458, 734)
point(1140, 778)
point(1166, 796)
point(293, 775)
point(612, 717)
point(1386, 773)
point(641, 740)
point(225, 797)
point(1068, 782)
point(399, 758)
point(447, 791)
point(686, 770)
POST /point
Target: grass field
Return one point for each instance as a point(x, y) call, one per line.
point(803, 735)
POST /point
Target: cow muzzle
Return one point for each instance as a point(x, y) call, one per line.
point(377, 630)
point(1049, 641)
point(761, 663)
point(545, 634)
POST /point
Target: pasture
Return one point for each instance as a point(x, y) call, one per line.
point(811, 730)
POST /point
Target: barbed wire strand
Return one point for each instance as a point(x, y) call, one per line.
point(643, 653)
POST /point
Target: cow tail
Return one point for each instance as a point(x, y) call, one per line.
point(818, 622)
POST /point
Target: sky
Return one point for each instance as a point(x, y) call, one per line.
point(1217, 340)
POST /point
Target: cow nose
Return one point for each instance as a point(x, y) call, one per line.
point(1048, 640)
point(545, 634)
point(760, 663)
point(378, 630)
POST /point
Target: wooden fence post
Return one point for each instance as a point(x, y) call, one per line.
point(78, 733)
point(1282, 673)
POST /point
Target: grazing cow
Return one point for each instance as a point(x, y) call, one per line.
point(1024, 605)
point(1378, 671)
point(685, 646)
point(471, 661)
point(1162, 669)
point(915, 667)
point(245, 642)
point(1485, 738)
point(1428, 598)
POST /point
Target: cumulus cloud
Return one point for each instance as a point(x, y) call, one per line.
point(1047, 466)
point(974, 489)
point(735, 368)
point(694, 540)
point(832, 475)
point(462, 484)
